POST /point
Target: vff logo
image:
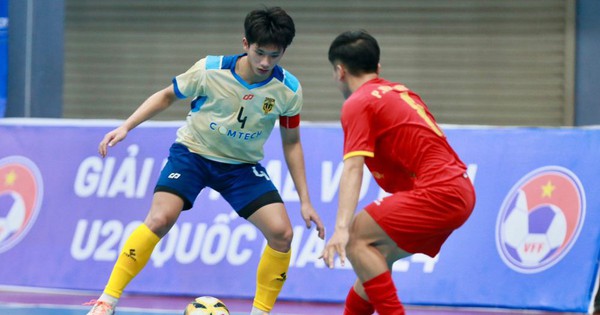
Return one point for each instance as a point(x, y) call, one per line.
point(21, 192)
point(540, 219)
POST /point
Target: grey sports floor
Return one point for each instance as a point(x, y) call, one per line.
point(23, 301)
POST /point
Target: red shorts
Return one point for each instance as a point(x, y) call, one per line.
point(420, 220)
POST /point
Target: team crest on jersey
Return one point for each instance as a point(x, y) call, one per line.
point(540, 219)
point(268, 105)
point(21, 191)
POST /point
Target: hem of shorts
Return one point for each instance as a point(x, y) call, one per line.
point(269, 197)
point(186, 203)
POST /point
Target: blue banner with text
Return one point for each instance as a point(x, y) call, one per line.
point(532, 242)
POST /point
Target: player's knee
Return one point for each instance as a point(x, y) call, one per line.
point(354, 247)
point(163, 214)
point(159, 222)
point(281, 239)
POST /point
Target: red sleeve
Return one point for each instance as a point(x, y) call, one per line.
point(289, 122)
point(358, 136)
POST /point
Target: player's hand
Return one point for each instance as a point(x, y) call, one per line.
point(110, 139)
point(309, 214)
point(337, 244)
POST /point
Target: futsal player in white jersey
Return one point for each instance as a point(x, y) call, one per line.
point(235, 102)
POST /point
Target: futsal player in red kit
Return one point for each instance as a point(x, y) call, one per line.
point(389, 128)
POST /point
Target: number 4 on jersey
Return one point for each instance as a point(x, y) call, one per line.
point(240, 119)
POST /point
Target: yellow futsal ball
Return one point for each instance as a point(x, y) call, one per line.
point(206, 305)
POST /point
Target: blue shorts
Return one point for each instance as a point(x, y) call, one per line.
point(246, 187)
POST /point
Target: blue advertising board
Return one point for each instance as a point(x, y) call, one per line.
point(532, 242)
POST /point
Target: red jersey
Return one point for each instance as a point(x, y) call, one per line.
point(404, 148)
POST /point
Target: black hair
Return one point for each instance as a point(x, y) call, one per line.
point(269, 26)
point(357, 50)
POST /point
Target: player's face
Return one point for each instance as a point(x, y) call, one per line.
point(262, 59)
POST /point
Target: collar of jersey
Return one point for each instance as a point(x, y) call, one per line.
point(277, 73)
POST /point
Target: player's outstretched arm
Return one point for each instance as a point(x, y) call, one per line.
point(153, 105)
point(294, 157)
point(350, 183)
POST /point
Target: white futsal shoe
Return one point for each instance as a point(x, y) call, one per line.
point(100, 308)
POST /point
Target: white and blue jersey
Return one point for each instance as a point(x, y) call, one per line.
point(230, 120)
point(222, 142)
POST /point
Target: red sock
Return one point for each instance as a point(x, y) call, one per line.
point(356, 305)
point(382, 294)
